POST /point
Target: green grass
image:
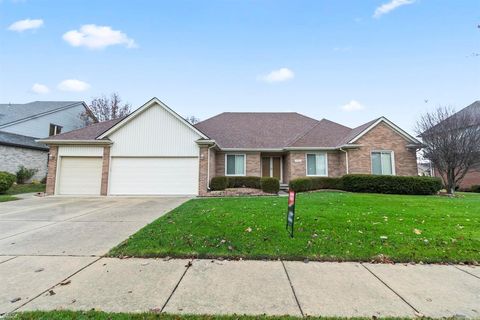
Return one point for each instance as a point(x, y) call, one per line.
point(329, 226)
point(98, 315)
point(6, 197)
point(26, 188)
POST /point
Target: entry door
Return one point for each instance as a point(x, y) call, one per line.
point(271, 167)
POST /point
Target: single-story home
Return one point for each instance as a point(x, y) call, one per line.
point(154, 151)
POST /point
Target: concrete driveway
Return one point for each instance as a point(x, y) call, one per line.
point(46, 240)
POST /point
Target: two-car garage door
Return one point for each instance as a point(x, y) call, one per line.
point(129, 176)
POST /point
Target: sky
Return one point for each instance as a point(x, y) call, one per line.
point(347, 61)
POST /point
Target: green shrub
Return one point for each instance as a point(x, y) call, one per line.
point(219, 183)
point(270, 185)
point(6, 181)
point(24, 174)
point(391, 184)
point(244, 182)
point(301, 184)
point(315, 183)
point(475, 188)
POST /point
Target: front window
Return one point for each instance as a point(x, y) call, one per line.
point(317, 164)
point(55, 129)
point(382, 163)
point(235, 165)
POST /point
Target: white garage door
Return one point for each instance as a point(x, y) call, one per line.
point(80, 175)
point(153, 176)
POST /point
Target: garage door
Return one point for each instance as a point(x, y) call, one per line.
point(80, 175)
point(153, 176)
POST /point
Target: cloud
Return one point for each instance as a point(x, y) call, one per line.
point(390, 6)
point(280, 75)
point(353, 105)
point(97, 37)
point(40, 88)
point(27, 24)
point(73, 85)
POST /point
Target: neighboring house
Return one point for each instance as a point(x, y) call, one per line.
point(22, 124)
point(473, 175)
point(155, 151)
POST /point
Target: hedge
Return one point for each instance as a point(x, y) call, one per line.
point(371, 184)
point(6, 181)
point(270, 185)
point(475, 188)
point(221, 182)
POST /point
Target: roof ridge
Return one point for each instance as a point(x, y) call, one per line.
point(301, 135)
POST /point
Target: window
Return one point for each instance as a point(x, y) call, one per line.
point(317, 164)
point(54, 129)
point(382, 163)
point(235, 165)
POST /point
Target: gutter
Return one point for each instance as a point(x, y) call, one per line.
point(74, 142)
point(346, 158)
point(208, 165)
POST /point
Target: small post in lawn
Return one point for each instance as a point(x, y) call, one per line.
point(291, 212)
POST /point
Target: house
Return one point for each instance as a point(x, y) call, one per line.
point(154, 151)
point(22, 124)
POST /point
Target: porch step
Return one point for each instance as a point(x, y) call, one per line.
point(284, 186)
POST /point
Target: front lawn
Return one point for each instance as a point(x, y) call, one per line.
point(26, 188)
point(328, 226)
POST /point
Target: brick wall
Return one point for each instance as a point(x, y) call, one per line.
point(202, 173)
point(13, 157)
point(382, 137)
point(253, 163)
point(471, 178)
point(105, 170)
point(52, 170)
point(297, 165)
point(336, 164)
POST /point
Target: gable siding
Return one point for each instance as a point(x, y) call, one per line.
point(39, 127)
point(154, 133)
point(383, 137)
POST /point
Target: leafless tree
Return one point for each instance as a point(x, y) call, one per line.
point(452, 143)
point(105, 108)
point(192, 119)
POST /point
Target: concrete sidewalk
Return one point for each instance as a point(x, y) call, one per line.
point(241, 287)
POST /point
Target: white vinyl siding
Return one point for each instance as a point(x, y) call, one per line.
point(383, 163)
point(80, 151)
point(79, 176)
point(235, 164)
point(153, 176)
point(317, 164)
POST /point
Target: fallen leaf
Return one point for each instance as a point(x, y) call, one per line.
point(15, 300)
point(417, 231)
point(64, 283)
point(248, 229)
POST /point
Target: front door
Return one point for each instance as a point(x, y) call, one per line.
point(271, 167)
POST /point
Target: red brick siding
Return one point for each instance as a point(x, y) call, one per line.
point(52, 170)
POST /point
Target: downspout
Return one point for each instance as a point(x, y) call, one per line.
point(208, 165)
point(346, 158)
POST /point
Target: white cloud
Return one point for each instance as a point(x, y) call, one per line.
point(390, 6)
point(73, 85)
point(282, 74)
point(39, 88)
point(353, 105)
point(26, 24)
point(97, 37)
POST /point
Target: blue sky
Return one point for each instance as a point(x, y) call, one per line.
point(347, 61)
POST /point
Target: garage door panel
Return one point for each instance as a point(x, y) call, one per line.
point(153, 176)
point(80, 176)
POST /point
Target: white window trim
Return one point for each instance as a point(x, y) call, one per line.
point(244, 164)
point(392, 158)
point(326, 164)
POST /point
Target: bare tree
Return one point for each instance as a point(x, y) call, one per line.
point(451, 142)
point(192, 119)
point(105, 108)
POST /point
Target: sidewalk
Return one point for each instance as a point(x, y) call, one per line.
point(241, 287)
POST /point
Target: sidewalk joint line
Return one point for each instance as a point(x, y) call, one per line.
point(467, 272)
point(189, 264)
point(293, 289)
point(8, 260)
point(50, 288)
point(391, 289)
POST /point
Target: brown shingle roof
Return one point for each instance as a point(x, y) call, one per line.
point(88, 133)
point(323, 135)
point(253, 130)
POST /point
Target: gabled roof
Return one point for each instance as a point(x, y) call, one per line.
point(90, 132)
point(11, 113)
point(18, 140)
point(256, 130)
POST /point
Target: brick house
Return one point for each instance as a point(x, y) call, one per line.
point(155, 151)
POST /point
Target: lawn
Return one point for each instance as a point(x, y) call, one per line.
point(21, 188)
point(98, 315)
point(329, 226)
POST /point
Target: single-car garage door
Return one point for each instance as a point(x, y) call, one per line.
point(80, 175)
point(153, 176)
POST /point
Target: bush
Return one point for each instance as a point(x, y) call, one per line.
point(24, 174)
point(244, 182)
point(315, 183)
point(301, 184)
point(270, 185)
point(475, 188)
point(6, 181)
point(218, 183)
point(391, 184)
